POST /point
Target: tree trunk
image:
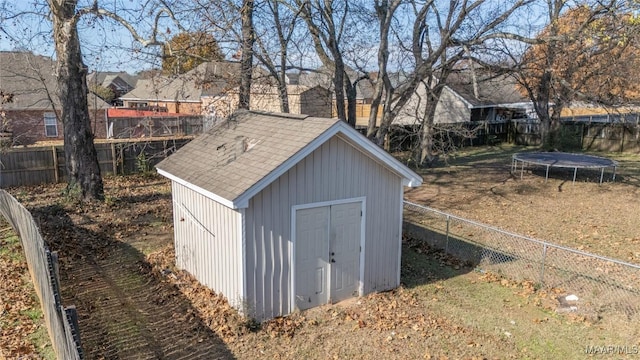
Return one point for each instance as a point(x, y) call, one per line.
point(428, 155)
point(284, 96)
point(352, 93)
point(385, 12)
point(80, 153)
point(246, 62)
point(338, 86)
point(541, 106)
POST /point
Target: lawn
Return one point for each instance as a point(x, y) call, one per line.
point(117, 268)
point(585, 215)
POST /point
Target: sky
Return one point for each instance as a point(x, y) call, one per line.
point(106, 46)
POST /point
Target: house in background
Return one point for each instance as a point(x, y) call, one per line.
point(34, 113)
point(211, 90)
point(323, 78)
point(119, 83)
point(488, 99)
point(178, 95)
point(280, 212)
point(315, 101)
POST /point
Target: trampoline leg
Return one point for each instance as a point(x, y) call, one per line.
point(614, 174)
point(546, 176)
point(522, 170)
point(575, 171)
point(601, 175)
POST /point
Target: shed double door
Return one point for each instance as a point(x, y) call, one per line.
point(327, 254)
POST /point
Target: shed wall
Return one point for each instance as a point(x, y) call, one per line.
point(208, 242)
point(334, 171)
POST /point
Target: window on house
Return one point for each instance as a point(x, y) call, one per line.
point(50, 125)
point(138, 105)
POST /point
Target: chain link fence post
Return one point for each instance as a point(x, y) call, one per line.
point(446, 243)
point(602, 283)
point(544, 256)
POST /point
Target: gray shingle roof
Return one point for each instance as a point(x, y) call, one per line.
point(492, 89)
point(164, 89)
point(233, 156)
point(31, 79)
point(207, 79)
point(27, 77)
point(106, 78)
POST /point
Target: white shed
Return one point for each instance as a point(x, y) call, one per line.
point(281, 212)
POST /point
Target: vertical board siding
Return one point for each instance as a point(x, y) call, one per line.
point(334, 171)
point(26, 167)
point(46, 165)
point(208, 243)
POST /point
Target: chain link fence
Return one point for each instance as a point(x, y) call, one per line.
point(601, 284)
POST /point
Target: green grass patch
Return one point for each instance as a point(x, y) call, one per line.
point(10, 248)
point(24, 311)
point(40, 339)
point(504, 310)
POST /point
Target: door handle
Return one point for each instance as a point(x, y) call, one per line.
point(333, 260)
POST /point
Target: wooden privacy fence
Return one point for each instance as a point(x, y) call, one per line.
point(46, 165)
point(61, 321)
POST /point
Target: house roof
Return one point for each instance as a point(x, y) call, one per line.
point(207, 79)
point(217, 77)
point(31, 79)
point(162, 88)
point(121, 80)
point(323, 77)
point(491, 90)
point(238, 158)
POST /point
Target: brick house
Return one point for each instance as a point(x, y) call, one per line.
point(34, 113)
point(212, 90)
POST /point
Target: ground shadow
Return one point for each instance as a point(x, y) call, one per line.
point(429, 255)
point(126, 310)
point(566, 174)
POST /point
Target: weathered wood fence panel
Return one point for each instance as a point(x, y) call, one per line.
point(61, 321)
point(46, 165)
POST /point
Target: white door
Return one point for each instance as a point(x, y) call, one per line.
point(312, 257)
point(327, 255)
point(344, 251)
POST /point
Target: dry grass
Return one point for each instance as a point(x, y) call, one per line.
point(117, 268)
point(597, 218)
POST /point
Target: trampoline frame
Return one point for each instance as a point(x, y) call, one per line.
point(596, 162)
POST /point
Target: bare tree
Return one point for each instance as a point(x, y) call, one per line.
point(385, 11)
point(442, 35)
point(246, 61)
point(327, 22)
point(80, 154)
point(272, 50)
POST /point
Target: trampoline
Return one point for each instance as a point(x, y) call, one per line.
point(563, 160)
